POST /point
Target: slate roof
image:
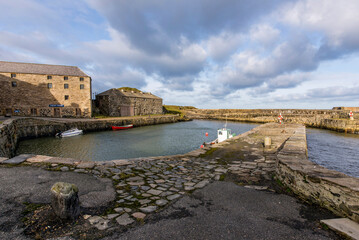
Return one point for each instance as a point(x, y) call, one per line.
point(128, 94)
point(46, 69)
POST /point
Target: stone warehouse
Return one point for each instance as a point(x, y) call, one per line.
point(128, 102)
point(28, 89)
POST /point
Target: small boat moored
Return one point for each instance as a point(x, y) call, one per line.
point(122, 127)
point(69, 133)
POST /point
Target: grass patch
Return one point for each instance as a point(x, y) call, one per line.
point(31, 207)
point(208, 153)
point(173, 109)
point(123, 175)
point(169, 168)
point(222, 177)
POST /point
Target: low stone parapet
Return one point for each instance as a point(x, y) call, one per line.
point(331, 189)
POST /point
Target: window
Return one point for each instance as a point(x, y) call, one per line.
point(13, 75)
point(66, 78)
point(66, 97)
point(13, 84)
point(66, 86)
point(49, 77)
point(49, 85)
point(82, 86)
point(81, 79)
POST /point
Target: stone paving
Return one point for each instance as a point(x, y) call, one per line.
point(147, 185)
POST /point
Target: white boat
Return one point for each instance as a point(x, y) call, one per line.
point(224, 133)
point(69, 133)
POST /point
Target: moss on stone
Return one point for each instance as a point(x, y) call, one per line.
point(208, 153)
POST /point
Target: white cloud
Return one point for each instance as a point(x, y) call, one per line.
point(264, 34)
point(338, 20)
point(223, 45)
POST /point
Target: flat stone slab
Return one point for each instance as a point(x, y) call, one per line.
point(124, 219)
point(154, 192)
point(148, 209)
point(18, 159)
point(3, 159)
point(121, 162)
point(38, 159)
point(69, 161)
point(86, 165)
point(173, 197)
point(139, 215)
point(344, 226)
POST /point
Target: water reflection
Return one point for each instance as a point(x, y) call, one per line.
point(336, 151)
point(158, 140)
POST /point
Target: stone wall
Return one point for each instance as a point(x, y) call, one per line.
point(328, 119)
point(330, 189)
point(116, 103)
point(29, 95)
point(13, 130)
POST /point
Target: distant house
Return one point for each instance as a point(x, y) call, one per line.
point(28, 89)
point(126, 102)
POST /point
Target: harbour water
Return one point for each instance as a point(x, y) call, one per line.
point(336, 151)
point(157, 140)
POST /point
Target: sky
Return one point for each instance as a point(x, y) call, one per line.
point(211, 54)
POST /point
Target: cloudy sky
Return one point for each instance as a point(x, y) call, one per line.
point(203, 53)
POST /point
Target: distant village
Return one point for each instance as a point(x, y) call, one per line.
point(44, 90)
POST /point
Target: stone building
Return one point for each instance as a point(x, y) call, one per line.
point(28, 89)
point(121, 102)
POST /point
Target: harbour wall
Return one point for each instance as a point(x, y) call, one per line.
point(13, 130)
point(337, 120)
point(330, 189)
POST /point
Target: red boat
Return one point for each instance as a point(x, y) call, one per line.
point(122, 127)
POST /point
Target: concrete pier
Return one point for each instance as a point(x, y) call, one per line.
point(145, 186)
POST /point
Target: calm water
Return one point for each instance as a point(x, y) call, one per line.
point(337, 151)
point(157, 140)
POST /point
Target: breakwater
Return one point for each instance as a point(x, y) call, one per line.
point(331, 189)
point(243, 158)
point(13, 130)
point(337, 120)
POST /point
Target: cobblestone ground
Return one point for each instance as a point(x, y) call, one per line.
point(144, 186)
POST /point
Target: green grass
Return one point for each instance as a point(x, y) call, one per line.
point(208, 153)
point(172, 109)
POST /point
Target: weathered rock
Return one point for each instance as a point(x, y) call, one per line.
point(86, 165)
point(99, 222)
point(18, 159)
point(64, 169)
point(154, 192)
point(111, 216)
point(173, 197)
point(38, 158)
point(124, 219)
point(148, 209)
point(65, 200)
point(139, 215)
point(161, 202)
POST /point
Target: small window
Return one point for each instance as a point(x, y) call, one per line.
point(66, 97)
point(81, 79)
point(82, 86)
point(66, 78)
point(13, 75)
point(49, 85)
point(49, 77)
point(66, 86)
point(13, 84)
